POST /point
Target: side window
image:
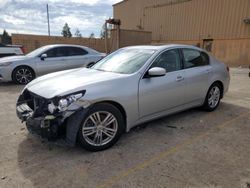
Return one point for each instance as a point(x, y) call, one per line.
point(73, 51)
point(194, 58)
point(57, 52)
point(169, 60)
point(52, 52)
point(65, 51)
point(62, 52)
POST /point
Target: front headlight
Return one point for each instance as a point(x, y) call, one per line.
point(64, 103)
point(5, 64)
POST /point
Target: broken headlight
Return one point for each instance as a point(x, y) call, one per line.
point(64, 102)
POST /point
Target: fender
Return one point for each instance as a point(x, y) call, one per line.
point(73, 125)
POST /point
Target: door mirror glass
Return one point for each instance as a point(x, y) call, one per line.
point(156, 71)
point(43, 56)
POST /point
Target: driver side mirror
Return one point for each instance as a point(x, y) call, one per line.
point(43, 56)
point(156, 71)
point(90, 64)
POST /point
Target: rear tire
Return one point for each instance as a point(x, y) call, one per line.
point(213, 97)
point(23, 75)
point(101, 127)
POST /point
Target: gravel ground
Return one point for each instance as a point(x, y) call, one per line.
point(190, 149)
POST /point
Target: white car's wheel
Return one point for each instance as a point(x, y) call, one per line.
point(101, 127)
point(23, 75)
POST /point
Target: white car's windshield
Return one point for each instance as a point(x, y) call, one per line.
point(125, 61)
point(37, 52)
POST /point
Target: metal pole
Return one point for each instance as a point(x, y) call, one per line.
point(118, 36)
point(106, 37)
point(48, 19)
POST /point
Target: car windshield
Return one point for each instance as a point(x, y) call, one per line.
point(124, 61)
point(37, 52)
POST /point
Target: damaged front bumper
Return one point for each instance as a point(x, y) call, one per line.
point(48, 126)
point(32, 109)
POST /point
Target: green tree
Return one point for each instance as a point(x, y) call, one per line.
point(6, 39)
point(92, 35)
point(78, 33)
point(66, 31)
point(103, 32)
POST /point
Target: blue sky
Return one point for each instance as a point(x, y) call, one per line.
point(29, 16)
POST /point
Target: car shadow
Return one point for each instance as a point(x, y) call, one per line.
point(50, 165)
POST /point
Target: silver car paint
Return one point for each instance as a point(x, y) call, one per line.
point(49, 64)
point(143, 99)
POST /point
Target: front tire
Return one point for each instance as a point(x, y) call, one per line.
point(213, 97)
point(101, 127)
point(23, 75)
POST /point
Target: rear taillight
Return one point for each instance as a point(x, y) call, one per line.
point(228, 69)
point(23, 50)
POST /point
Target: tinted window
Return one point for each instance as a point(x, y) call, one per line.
point(65, 51)
point(62, 51)
point(169, 60)
point(52, 52)
point(194, 58)
point(76, 51)
point(57, 52)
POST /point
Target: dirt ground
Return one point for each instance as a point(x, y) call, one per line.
point(190, 149)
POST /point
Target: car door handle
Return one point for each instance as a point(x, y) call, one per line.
point(179, 78)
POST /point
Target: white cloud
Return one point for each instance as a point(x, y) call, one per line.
point(21, 16)
point(13, 20)
point(3, 3)
point(90, 2)
point(86, 2)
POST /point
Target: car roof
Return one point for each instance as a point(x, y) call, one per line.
point(70, 45)
point(66, 45)
point(163, 46)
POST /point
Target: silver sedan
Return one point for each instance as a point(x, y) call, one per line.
point(51, 58)
point(128, 87)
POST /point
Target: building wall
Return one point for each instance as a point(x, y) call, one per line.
point(129, 38)
point(32, 42)
point(186, 19)
point(192, 21)
point(234, 52)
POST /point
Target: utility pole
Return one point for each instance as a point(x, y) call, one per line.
point(48, 19)
point(106, 38)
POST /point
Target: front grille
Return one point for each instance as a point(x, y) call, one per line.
point(37, 103)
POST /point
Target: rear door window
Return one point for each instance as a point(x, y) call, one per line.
point(194, 58)
point(75, 51)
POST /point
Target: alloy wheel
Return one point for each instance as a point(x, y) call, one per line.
point(23, 76)
point(214, 97)
point(99, 128)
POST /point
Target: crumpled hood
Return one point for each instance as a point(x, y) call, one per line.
point(13, 58)
point(69, 81)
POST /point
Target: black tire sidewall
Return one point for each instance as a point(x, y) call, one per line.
point(206, 106)
point(18, 68)
point(102, 107)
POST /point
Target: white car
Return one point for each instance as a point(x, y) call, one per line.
point(47, 59)
point(10, 50)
